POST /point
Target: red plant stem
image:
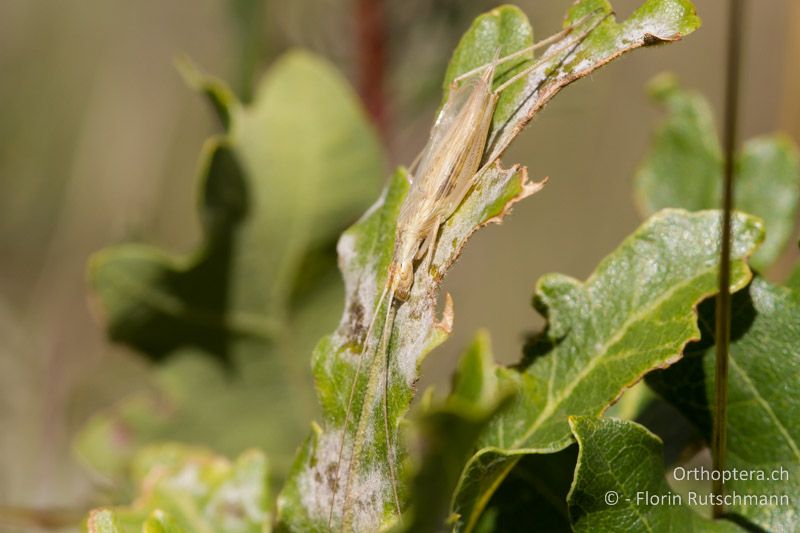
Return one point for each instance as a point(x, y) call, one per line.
point(372, 56)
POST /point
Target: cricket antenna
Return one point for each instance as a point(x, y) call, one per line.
point(567, 52)
point(382, 347)
point(386, 338)
point(388, 290)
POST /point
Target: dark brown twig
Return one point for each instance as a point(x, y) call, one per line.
point(723, 323)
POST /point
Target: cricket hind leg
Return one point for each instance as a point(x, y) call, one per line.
point(568, 49)
point(528, 49)
point(427, 246)
point(565, 51)
point(431, 241)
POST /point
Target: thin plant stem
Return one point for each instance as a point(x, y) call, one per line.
point(371, 34)
point(723, 314)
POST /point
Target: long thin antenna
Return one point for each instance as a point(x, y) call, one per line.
point(381, 348)
point(390, 459)
point(350, 398)
point(532, 48)
point(494, 138)
point(723, 315)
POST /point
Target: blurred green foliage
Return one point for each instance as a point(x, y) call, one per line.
point(684, 169)
point(182, 489)
point(635, 313)
point(232, 324)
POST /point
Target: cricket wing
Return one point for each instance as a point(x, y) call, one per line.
point(442, 129)
point(463, 174)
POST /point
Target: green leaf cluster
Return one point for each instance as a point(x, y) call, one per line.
point(634, 314)
point(344, 476)
point(183, 489)
point(293, 169)
point(570, 374)
point(763, 399)
point(684, 169)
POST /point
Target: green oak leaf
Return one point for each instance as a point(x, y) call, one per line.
point(684, 169)
point(623, 460)
point(186, 489)
point(533, 497)
point(291, 171)
point(635, 313)
point(312, 498)
point(763, 398)
point(633, 404)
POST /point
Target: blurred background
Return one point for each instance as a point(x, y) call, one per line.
point(99, 142)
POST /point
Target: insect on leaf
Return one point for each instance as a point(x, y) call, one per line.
point(357, 455)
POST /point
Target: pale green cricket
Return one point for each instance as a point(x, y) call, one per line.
point(446, 170)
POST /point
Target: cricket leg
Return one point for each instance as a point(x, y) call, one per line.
point(573, 46)
point(431, 241)
point(565, 52)
point(528, 49)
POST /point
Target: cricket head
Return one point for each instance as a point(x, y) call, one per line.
point(401, 269)
point(401, 276)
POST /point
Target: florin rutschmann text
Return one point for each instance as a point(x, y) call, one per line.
point(698, 498)
point(732, 499)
